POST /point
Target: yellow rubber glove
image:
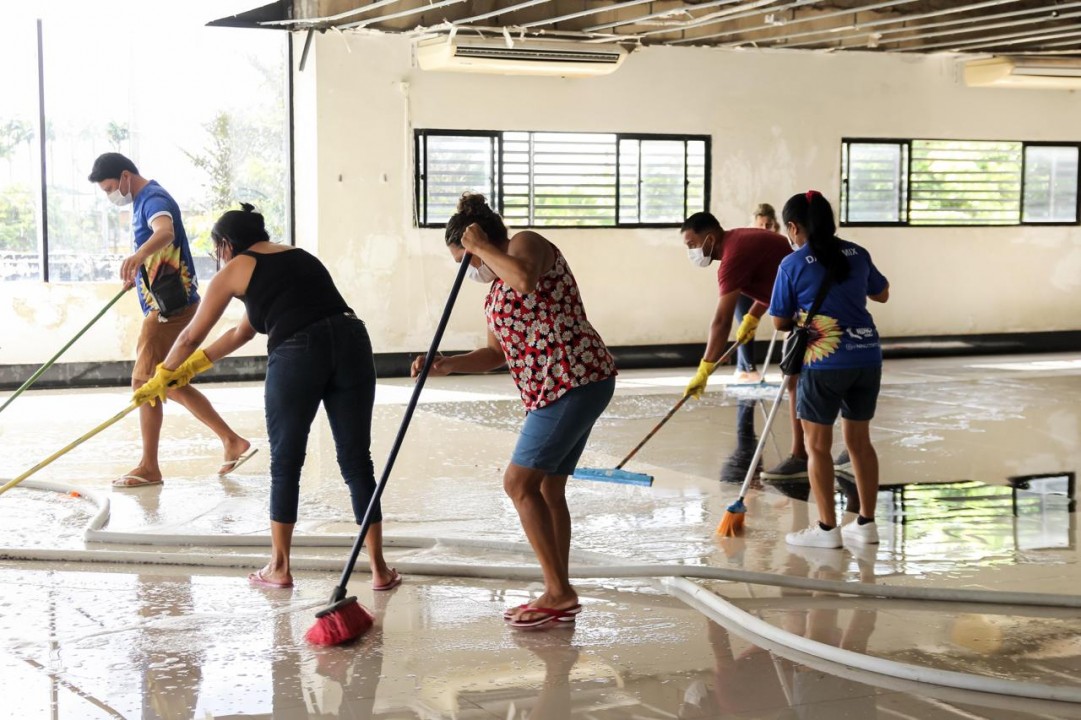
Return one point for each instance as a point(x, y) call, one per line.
point(196, 363)
point(697, 386)
point(155, 389)
point(747, 329)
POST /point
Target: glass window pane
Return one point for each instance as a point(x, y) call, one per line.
point(20, 194)
point(872, 188)
point(1051, 183)
point(455, 164)
point(663, 181)
point(573, 179)
point(629, 172)
point(212, 139)
point(960, 182)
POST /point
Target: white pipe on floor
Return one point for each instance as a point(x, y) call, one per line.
point(611, 567)
point(675, 581)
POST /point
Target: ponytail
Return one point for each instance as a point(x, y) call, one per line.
point(812, 212)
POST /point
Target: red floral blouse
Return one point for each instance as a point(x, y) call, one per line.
point(549, 343)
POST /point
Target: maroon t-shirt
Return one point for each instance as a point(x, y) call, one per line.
point(749, 260)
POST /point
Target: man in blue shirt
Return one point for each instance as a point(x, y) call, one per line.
point(161, 254)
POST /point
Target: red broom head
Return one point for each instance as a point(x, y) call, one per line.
point(346, 622)
point(731, 524)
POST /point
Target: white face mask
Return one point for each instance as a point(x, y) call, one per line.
point(698, 256)
point(480, 273)
point(118, 198)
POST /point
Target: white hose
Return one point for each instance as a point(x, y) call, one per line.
point(676, 583)
point(706, 602)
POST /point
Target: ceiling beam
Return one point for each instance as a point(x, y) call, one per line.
point(797, 21)
point(331, 19)
point(998, 40)
point(583, 13)
point(892, 21)
point(944, 23)
point(502, 11)
point(658, 14)
point(401, 13)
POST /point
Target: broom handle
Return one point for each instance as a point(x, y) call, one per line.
point(365, 525)
point(673, 411)
point(49, 363)
point(71, 446)
point(762, 438)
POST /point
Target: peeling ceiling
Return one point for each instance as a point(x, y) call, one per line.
point(1014, 27)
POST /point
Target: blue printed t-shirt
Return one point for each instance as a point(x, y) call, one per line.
point(152, 202)
point(843, 334)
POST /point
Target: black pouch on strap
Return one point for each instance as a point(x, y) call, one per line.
point(168, 292)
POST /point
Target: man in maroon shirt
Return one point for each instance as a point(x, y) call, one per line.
point(748, 260)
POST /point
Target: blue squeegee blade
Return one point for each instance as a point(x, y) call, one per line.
point(615, 476)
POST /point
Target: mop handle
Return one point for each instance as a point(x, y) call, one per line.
point(762, 439)
point(54, 358)
point(72, 445)
point(769, 355)
point(673, 411)
point(365, 525)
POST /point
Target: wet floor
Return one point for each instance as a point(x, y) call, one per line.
point(152, 616)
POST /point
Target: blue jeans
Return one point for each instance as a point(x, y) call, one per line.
point(329, 362)
point(745, 353)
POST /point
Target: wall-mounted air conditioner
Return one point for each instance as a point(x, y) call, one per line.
point(1025, 72)
point(458, 54)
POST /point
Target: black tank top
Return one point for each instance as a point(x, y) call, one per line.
point(288, 291)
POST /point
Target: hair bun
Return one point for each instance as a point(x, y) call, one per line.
point(247, 207)
point(473, 204)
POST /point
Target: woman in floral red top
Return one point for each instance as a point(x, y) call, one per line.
point(537, 326)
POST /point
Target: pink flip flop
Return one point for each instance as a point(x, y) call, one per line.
point(394, 582)
point(548, 617)
point(256, 579)
point(568, 614)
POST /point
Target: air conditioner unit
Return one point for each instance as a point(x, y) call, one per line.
point(457, 54)
point(1025, 72)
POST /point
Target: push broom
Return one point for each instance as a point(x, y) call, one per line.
point(618, 474)
point(344, 619)
point(49, 363)
point(732, 522)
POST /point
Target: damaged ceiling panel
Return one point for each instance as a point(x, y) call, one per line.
point(1014, 27)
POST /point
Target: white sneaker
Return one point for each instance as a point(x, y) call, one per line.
point(867, 534)
point(815, 536)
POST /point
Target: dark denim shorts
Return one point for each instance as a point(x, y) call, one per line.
point(554, 436)
point(851, 391)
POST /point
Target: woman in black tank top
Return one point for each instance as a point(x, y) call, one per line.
point(318, 352)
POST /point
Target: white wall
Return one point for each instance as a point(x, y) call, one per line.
point(776, 120)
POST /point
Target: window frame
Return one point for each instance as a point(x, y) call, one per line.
point(1025, 145)
point(905, 207)
point(41, 140)
point(420, 196)
point(420, 210)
